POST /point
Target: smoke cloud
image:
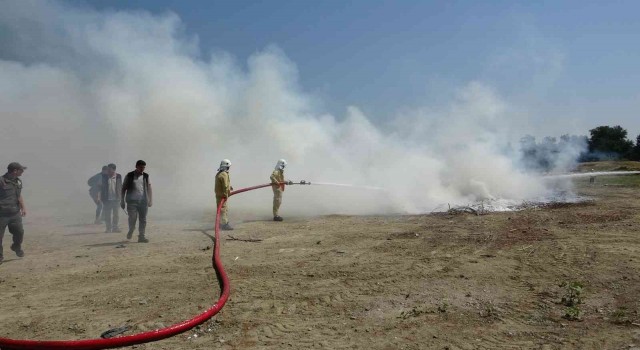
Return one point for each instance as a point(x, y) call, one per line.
point(81, 88)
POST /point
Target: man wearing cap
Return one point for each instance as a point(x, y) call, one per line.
point(12, 207)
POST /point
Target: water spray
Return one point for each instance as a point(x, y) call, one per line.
point(304, 182)
point(591, 174)
point(348, 185)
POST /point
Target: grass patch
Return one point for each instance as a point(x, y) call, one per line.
point(572, 299)
point(608, 166)
point(632, 180)
point(622, 180)
point(620, 316)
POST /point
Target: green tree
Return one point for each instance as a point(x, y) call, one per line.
point(610, 141)
point(635, 152)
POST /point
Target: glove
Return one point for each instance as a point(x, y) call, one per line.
point(122, 204)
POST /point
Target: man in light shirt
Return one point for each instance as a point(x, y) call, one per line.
point(109, 195)
point(136, 191)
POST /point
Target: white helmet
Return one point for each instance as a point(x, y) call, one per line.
point(225, 164)
point(281, 164)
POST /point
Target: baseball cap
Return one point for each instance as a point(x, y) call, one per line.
point(15, 165)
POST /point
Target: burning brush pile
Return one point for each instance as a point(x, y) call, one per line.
point(503, 205)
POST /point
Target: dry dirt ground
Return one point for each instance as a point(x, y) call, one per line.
point(437, 281)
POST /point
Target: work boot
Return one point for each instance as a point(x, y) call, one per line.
point(226, 227)
point(129, 234)
point(142, 240)
point(277, 218)
point(19, 252)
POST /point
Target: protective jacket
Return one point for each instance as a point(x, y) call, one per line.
point(223, 184)
point(277, 179)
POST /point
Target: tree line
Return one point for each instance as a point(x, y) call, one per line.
point(611, 143)
point(603, 143)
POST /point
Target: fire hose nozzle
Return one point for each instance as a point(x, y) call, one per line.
point(303, 182)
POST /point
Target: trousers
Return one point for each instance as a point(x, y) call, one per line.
point(110, 214)
point(224, 213)
point(277, 200)
point(137, 210)
point(98, 203)
point(14, 223)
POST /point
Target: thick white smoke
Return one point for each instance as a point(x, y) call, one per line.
point(80, 88)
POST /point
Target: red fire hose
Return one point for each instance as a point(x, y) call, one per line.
point(150, 336)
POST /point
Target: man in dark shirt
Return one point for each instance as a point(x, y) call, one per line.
point(12, 207)
point(94, 188)
point(136, 191)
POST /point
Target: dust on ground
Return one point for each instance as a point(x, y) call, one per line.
point(560, 277)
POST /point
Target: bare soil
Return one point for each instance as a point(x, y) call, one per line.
point(434, 281)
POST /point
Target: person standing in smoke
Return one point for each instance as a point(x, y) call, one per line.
point(109, 195)
point(223, 190)
point(12, 207)
point(94, 189)
point(277, 184)
point(136, 190)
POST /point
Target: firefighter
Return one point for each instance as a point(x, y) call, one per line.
point(277, 184)
point(223, 189)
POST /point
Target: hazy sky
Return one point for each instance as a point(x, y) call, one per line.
point(568, 65)
point(423, 100)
